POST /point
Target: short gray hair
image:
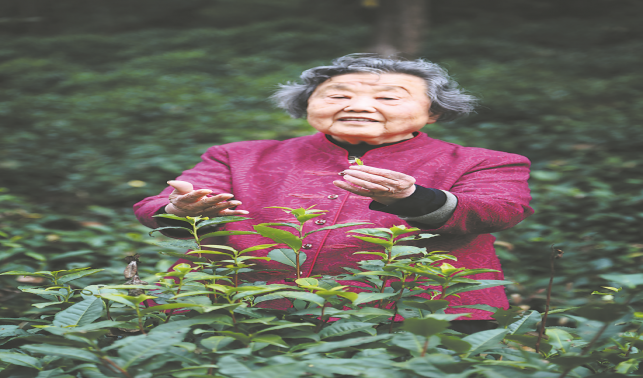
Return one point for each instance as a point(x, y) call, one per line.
point(446, 98)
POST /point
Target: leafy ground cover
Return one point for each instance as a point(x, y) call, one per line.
point(206, 322)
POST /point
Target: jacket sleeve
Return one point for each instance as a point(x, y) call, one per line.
point(213, 172)
point(492, 195)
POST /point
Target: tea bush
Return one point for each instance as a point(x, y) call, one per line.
point(207, 323)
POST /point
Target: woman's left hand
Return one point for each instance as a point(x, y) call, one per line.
point(382, 185)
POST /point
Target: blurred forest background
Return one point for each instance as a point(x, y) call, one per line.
point(101, 102)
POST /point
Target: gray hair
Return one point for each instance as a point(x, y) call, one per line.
point(446, 98)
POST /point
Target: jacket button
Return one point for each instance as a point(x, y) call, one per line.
point(307, 246)
point(320, 221)
point(333, 196)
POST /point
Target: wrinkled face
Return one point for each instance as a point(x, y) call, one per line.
point(371, 108)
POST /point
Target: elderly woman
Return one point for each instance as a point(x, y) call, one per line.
point(371, 108)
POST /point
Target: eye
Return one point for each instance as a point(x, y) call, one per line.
point(386, 98)
point(338, 97)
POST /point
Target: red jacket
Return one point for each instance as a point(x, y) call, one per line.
point(491, 188)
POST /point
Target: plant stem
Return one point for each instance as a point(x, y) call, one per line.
point(297, 264)
point(140, 323)
point(425, 347)
point(113, 364)
point(178, 291)
point(399, 298)
point(321, 319)
point(555, 254)
point(234, 321)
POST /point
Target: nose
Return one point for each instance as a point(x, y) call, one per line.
point(360, 105)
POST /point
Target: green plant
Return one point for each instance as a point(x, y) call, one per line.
point(206, 324)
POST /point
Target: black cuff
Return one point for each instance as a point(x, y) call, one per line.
point(423, 201)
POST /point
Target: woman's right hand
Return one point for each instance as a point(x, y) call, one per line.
point(185, 201)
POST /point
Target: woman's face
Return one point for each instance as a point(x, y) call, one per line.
point(371, 108)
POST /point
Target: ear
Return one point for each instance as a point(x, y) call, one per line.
point(433, 117)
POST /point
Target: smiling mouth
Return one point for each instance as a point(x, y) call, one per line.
point(356, 119)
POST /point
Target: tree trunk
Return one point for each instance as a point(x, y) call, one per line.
point(400, 26)
point(413, 24)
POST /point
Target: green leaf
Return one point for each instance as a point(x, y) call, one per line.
point(184, 256)
point(169, 306)
point(79, 314)
point(602, 312)
point(381, 242)
point(55, 373)
point(348, 343)
point(279, 236)
point(283, 224)
point(628, 280)
point(559, 339)
point(484, 284)
point(286, 325)
point(159, 229)
point(127, 299)
point(291, 370)
point(405, 250)
point(380, 254)
point(225, 233)
point(341, 329)
point(428, 305)
point(308, 297)
point(287, 257)
point(530, 341)
point(455, 344)
point(335, 226)
point(21, 360)
point(307, 281)
point(485, 340)
point(306, 217)
point(141, 347)
point(62, 351)
point(259, 290)
point(215, 246)
point(257, 248)
point(506, 317)
point(180, 244)
point(270, 339)
point(425, 327)
point(380, 232)
point(245, 339)
point(24, 273)
point(482, 307)
point(230, 367)
point(414, 343)
point(628, 366)
point(221, 220)
point(216, 343)
point(525, 324)
point(365, 297)
point(172, 216)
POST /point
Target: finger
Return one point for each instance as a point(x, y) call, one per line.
point(371, 186)
point(214, 200)
point(379, 172)
point(381, 180)
point(224, 208)
point(353, 189)
point(183, 187)
point(193, 196)
point(229, 212)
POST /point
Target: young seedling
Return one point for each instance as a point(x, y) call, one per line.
point(293, 257)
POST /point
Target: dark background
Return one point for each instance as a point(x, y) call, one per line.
point(101, 102)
